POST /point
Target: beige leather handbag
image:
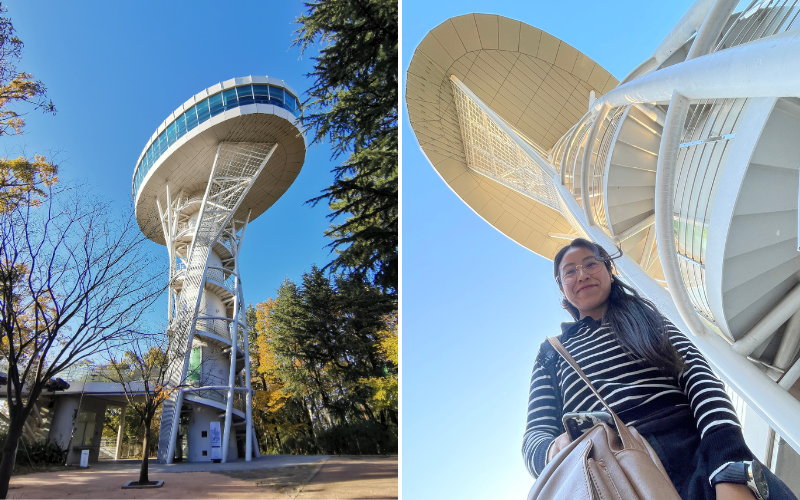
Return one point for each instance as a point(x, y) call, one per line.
point(604, 463)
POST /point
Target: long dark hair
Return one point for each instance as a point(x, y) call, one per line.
point(638, 325)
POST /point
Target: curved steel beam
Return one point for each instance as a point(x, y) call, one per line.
point(586, 163)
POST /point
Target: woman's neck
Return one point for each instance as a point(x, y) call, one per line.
point(596, 313)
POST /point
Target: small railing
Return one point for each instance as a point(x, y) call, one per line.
point(574, 161)
point(761, 18)
point(708, 134)
point(223, 276)
point(240, 401)
point(221, 328)
point(218, 395)
point(559, 149)
point(101, 374)
point(597, 170)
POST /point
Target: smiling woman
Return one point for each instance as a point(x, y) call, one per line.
point(647, 372)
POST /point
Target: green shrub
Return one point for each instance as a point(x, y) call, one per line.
point(37, 453)
point(360, 438)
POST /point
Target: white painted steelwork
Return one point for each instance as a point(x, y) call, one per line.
point(235, 168)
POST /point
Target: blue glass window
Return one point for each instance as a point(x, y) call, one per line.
point(230, 99)
point(261, 93)
point(202, 111)
point(171, 134)
point(162, 144)
point(215, 103)
point(245, 95)
point(276, 96)
point(180, 124)
point(191, 118)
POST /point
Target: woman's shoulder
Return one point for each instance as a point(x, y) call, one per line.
point(547, 353)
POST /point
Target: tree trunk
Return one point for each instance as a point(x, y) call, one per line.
point(10, 453)
point(143, 477)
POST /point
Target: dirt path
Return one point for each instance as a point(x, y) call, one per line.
point(333, 477)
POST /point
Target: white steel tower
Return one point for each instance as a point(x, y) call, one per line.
point(690, 164)
point(217, 162)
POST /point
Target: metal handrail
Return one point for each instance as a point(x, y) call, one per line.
point(718, 75)
point(598, 172)
point(573, 155)
point(760, 19)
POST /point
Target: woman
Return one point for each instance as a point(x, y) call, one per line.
point(648, 372)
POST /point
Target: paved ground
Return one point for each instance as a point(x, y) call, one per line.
point(270, 477)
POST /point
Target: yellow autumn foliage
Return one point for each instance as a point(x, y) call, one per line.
point(273, 396)
point(385, 389)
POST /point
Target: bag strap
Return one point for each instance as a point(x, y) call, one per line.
point(628, 442)
point(553, 372)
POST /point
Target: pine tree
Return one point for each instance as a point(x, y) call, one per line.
point(353, 104)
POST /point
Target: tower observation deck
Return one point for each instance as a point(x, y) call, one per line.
point(217, 162)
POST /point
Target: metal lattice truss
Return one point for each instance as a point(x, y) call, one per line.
point(491, 152)
point(236, 167)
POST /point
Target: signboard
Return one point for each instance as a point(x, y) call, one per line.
point(216, 441)
point(84, 458)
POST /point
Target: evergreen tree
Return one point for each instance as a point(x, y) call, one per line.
point(353, 104)
point(319, 352)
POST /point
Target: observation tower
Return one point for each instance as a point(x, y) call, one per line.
point(216, 163)
point(690, 164)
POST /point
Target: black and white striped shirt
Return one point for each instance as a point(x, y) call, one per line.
point(633, 388)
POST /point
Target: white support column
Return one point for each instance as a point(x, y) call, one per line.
point(120, 433)
point(712, 27)
point(234, 348)
point(767, 325)
point(788, 347)
point(171, 252)
point(248, 440)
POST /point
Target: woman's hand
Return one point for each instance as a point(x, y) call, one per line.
point(559, 444)
point(732, 491)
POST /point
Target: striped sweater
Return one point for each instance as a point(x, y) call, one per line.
point(634, 389)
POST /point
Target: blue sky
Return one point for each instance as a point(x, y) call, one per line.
point(115, 70)
point(476, 306)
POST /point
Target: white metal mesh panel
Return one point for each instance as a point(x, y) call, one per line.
point(491, 152)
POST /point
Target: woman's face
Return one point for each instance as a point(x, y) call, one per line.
point(586, 291)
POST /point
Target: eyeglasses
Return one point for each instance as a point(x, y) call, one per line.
point(569, 274)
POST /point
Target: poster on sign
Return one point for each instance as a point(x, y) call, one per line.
point(84, 458)
point(215, 435)
point(216, 441)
